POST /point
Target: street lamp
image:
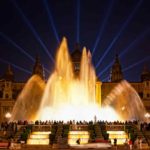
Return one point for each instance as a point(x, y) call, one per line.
point(147, 116)
point(8, 115)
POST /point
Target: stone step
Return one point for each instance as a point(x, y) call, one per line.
point(35, 147)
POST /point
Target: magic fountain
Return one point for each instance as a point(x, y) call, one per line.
point(66, 97)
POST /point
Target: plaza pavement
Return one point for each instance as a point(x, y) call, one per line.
point(49, 148)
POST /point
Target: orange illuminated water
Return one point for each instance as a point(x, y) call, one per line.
point(65, 97)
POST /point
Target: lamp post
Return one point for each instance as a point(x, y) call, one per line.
point(147, 116)
point(7, 116)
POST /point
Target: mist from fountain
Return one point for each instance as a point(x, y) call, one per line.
point(126, 102)
point(29, 100)
point(66, 97)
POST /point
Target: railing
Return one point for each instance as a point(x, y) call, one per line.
point(75, 127)
point(115, 127)
point(41, 128)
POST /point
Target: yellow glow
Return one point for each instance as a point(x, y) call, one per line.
point(66, 96)
point(121, 136)
point(69, 98)
point(38, 132)
point(8, 115)
point(73, 136)
point(38, 138)
point(38, 141)
point(98, 93)
point(109, 114)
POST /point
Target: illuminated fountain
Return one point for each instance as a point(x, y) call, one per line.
point(126, 102)
point(66, 97)
point(28, 102)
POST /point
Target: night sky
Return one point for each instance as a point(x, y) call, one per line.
point(106, 27)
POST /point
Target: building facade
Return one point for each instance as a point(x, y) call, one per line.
point(10, 89)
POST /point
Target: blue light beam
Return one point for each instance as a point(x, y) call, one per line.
point(16, 66)
point(78, 21)
point(131, 66)
point(32, 30)
point(135, 64)
point(101, 30)
point(132, 44)
point(105, 69)
point(51, 21)
point(105, 79)
point(19, 48)
point(119, 33)
point(136, 41)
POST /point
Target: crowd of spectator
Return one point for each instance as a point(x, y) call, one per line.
point(12, 126)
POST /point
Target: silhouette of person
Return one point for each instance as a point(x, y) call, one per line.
point(78, 141)
point(115, 143)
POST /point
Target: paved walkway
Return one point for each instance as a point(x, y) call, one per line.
point(113, 148)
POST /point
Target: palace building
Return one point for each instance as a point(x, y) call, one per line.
point(10, 89)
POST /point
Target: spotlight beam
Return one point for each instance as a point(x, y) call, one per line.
point(131, 66)
point(19, 48)
point(46, 70)
point(105, 69)
point(136, 41)
point(104, 79)
point(135, 64)
point(51, 21)
point(32, 30)
point(16, 66)
point(119, 33)
point(78, 21)
point(101, 30)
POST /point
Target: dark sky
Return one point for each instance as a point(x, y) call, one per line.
point(31, 27)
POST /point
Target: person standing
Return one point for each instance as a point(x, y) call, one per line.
point(126, 144)
point(115, 143)
point(130, 144)
point(140, 142)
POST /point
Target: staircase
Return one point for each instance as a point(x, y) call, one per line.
point(18, 133)
point(59, 133)
point(98, 132)
point(138, 134)
point(39, 138)
point(141, 134)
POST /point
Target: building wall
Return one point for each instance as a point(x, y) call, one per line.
point(6, 104)
point(142, 89)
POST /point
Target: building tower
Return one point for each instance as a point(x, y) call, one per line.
point(145, 74)
point(38, 68)
point(145, 78)
point(76, 59)
point(8, 79)
point(9, 75)
point(116, 74)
